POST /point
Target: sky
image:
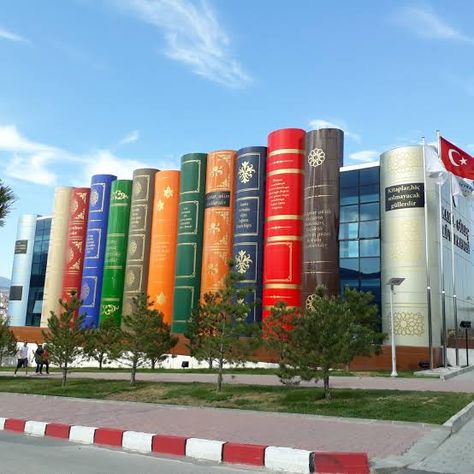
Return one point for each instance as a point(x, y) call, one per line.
point(93, 86)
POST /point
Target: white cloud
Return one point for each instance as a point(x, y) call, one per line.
point(427, 24)
point(10, 36)
point(321, 123)
point(194, 36)
point(131, 137)
point(44, 164)
point(365, 156)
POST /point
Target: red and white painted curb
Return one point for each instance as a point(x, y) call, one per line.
point(271, 457)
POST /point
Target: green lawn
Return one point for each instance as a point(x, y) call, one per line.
point(427, 407)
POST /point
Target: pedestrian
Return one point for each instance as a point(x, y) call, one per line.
point(22, 358)
point(39, 359)
point(46, 359)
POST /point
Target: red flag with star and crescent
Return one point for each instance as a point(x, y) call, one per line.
point(455, 160)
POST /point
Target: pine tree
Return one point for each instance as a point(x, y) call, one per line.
point(65, 336)
point(7, 198)
point(103, 344)
point(145, 335)
point(8, 340)
point(218, 330)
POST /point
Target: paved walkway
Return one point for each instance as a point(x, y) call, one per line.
point(461, 383)
point(377, 438)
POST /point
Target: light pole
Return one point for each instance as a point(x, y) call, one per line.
point(393, 282)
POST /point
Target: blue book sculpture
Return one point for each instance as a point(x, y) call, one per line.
point(249, 207)
point(91, 287)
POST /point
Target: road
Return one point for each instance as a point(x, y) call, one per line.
point(21, 453)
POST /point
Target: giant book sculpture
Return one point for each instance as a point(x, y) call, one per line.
point(283, 219)
point(116, 251)
point(249, 210)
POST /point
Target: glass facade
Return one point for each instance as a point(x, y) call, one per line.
point(38, 271)
point(359, 232)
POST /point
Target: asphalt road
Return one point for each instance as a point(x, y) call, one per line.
point(27, 454)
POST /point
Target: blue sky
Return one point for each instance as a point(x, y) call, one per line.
point(110, 85)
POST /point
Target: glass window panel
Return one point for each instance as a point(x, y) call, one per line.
point(370, 267)
point(348, 231)
point(349, 196)
point(370, 193)
point(369, 229)
point(369, 175)
point(349, 283)
point(349, 248)
point(349, 213)
point(349, 268)
point(349, 179)
point(370, 248)
point(369, 212)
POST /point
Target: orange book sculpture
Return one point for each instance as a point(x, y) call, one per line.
point(164, 232)
point(218, 219)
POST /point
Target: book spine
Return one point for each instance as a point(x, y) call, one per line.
point(139, 232)
point(218, 220)
point(116, 251)
point(283, 219)
point(57, 244)
point(189, 242)
point(21, 272)
point(323, 158)
point(248, 223)
point(75, 242)
point(91, 286)
point(164, 232)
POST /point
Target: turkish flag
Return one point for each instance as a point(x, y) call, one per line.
point(455, 160)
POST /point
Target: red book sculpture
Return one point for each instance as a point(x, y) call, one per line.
point(283, 219)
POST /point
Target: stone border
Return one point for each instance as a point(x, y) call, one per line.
point(457, 421)
point(271, 457)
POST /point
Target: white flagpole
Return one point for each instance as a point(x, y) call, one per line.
point(427, 256)
point(455, 300)
point(441, 264)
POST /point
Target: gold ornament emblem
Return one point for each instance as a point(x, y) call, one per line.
point(85, 291)
point(407, 323)
point(132, 247)
point(168, 192)
point(217, 171)
point(119, 195)
point(137, 188)
point(160, 299)
point(214, 228)
point(69, 255)
point(130, 278)
point(94, 197)
point(109, 309)
point(246, 171)
point(316, 157)
point(310, 301)
point(212, 269)
point(160, 205)
point(242, 261)
point(74, 206)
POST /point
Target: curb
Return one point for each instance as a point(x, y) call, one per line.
point(457, 421)
point(271, 457)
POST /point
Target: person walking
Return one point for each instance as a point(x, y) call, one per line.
point(46, 359)
point(39, 359)
point(22, 358)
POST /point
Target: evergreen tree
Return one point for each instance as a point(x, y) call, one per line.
point(65, 336)
point(218, 330)
point(7, 198)
point(329, 333)
point(145, 335)
point(8, 342)
point(103, 344)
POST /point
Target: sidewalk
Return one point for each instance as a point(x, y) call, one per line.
point(318, 433)
point(462, 383)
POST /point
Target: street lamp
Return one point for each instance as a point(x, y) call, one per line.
point(393, 282)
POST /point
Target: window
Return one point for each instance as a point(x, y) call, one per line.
point(370, 248)
point(349, 231)
point(349, 268)
point(370, 193)
point(349, 179)
point(349, 213)
point(369, 176)
point(349, 283)
point(369, 229)
point(349, 196)
point(370, 266)
point(349, 248)
point(369, 212)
